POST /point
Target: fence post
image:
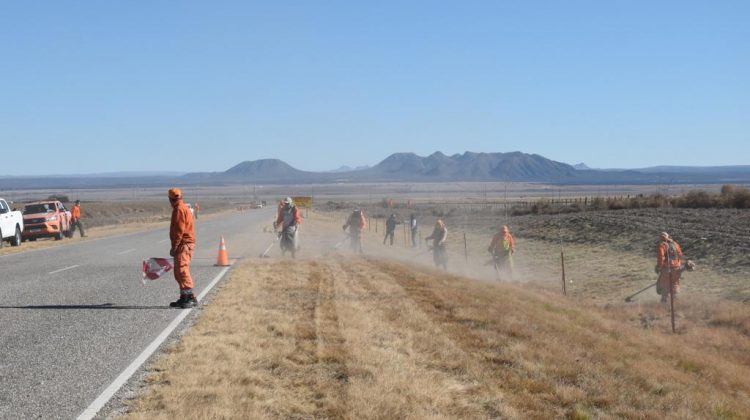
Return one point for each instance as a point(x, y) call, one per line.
point(466, 250)
point(562, 263)
point(671, 302)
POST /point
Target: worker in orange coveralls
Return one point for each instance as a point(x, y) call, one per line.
point(357, 224)
point(75, 219)
point(668, 266)
point(502, 248)
point(439, 236)
point(288, 220)
point(182, 235)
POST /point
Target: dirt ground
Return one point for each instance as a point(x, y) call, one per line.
point(337, 335)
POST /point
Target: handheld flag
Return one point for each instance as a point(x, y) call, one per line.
point(155, 267)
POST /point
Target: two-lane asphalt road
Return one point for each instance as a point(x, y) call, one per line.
point(73, 317)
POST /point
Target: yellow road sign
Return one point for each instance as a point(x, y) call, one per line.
point(303, 202)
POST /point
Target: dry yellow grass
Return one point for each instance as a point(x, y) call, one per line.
point(357, 337)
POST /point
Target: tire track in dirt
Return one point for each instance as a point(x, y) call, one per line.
point(418, 337)
point(331, 352)
point(319, 346)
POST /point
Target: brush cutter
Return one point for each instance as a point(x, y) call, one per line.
point(689, 266)
point(341, 242)
point(429, 249)
point(265, 253)
point(629, 298)
point(337, 245)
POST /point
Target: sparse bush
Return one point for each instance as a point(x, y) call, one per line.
point(696, 199)
point(727, 190)
point(598, 203)
point(740, 198)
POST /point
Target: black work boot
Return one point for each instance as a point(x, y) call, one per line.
point(189, 302)
point(179, 302)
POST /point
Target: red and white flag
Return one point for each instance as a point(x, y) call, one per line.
point(155, 267)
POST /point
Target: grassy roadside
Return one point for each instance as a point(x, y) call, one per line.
point(367, 338)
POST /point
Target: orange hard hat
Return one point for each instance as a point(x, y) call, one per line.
point(174, 193)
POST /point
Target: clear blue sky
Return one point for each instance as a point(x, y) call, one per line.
point(104, 86)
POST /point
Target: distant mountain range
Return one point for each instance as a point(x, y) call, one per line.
point(405, 167)
point(514, 166)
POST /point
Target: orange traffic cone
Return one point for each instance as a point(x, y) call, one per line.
point(222, 259)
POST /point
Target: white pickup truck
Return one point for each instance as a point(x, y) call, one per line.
point(11, 224)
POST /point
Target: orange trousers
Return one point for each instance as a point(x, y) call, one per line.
point(182, 266)
point(667, 277)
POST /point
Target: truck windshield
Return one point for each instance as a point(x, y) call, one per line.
point(37, 208)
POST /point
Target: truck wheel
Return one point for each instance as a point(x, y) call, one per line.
point(1, 239)
point(16, 238)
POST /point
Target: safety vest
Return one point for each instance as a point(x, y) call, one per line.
point(288, 215)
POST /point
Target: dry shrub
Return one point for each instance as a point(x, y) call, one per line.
point(697, 199)
point(735, 197)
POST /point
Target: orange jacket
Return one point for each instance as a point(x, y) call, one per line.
point(502, 243)
point(351, 221)
point(280, 216)
point(181, 229)
point(279, 209)
point(667, 259)
point(75, 212)
point(439, 233)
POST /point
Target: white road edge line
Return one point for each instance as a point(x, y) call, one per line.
point(126, 251)
point(115, 386)
point(63, 269)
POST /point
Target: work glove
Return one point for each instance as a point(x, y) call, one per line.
point(171, 252)
point(489, 249)
point(657, 270)
point(343, 227)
